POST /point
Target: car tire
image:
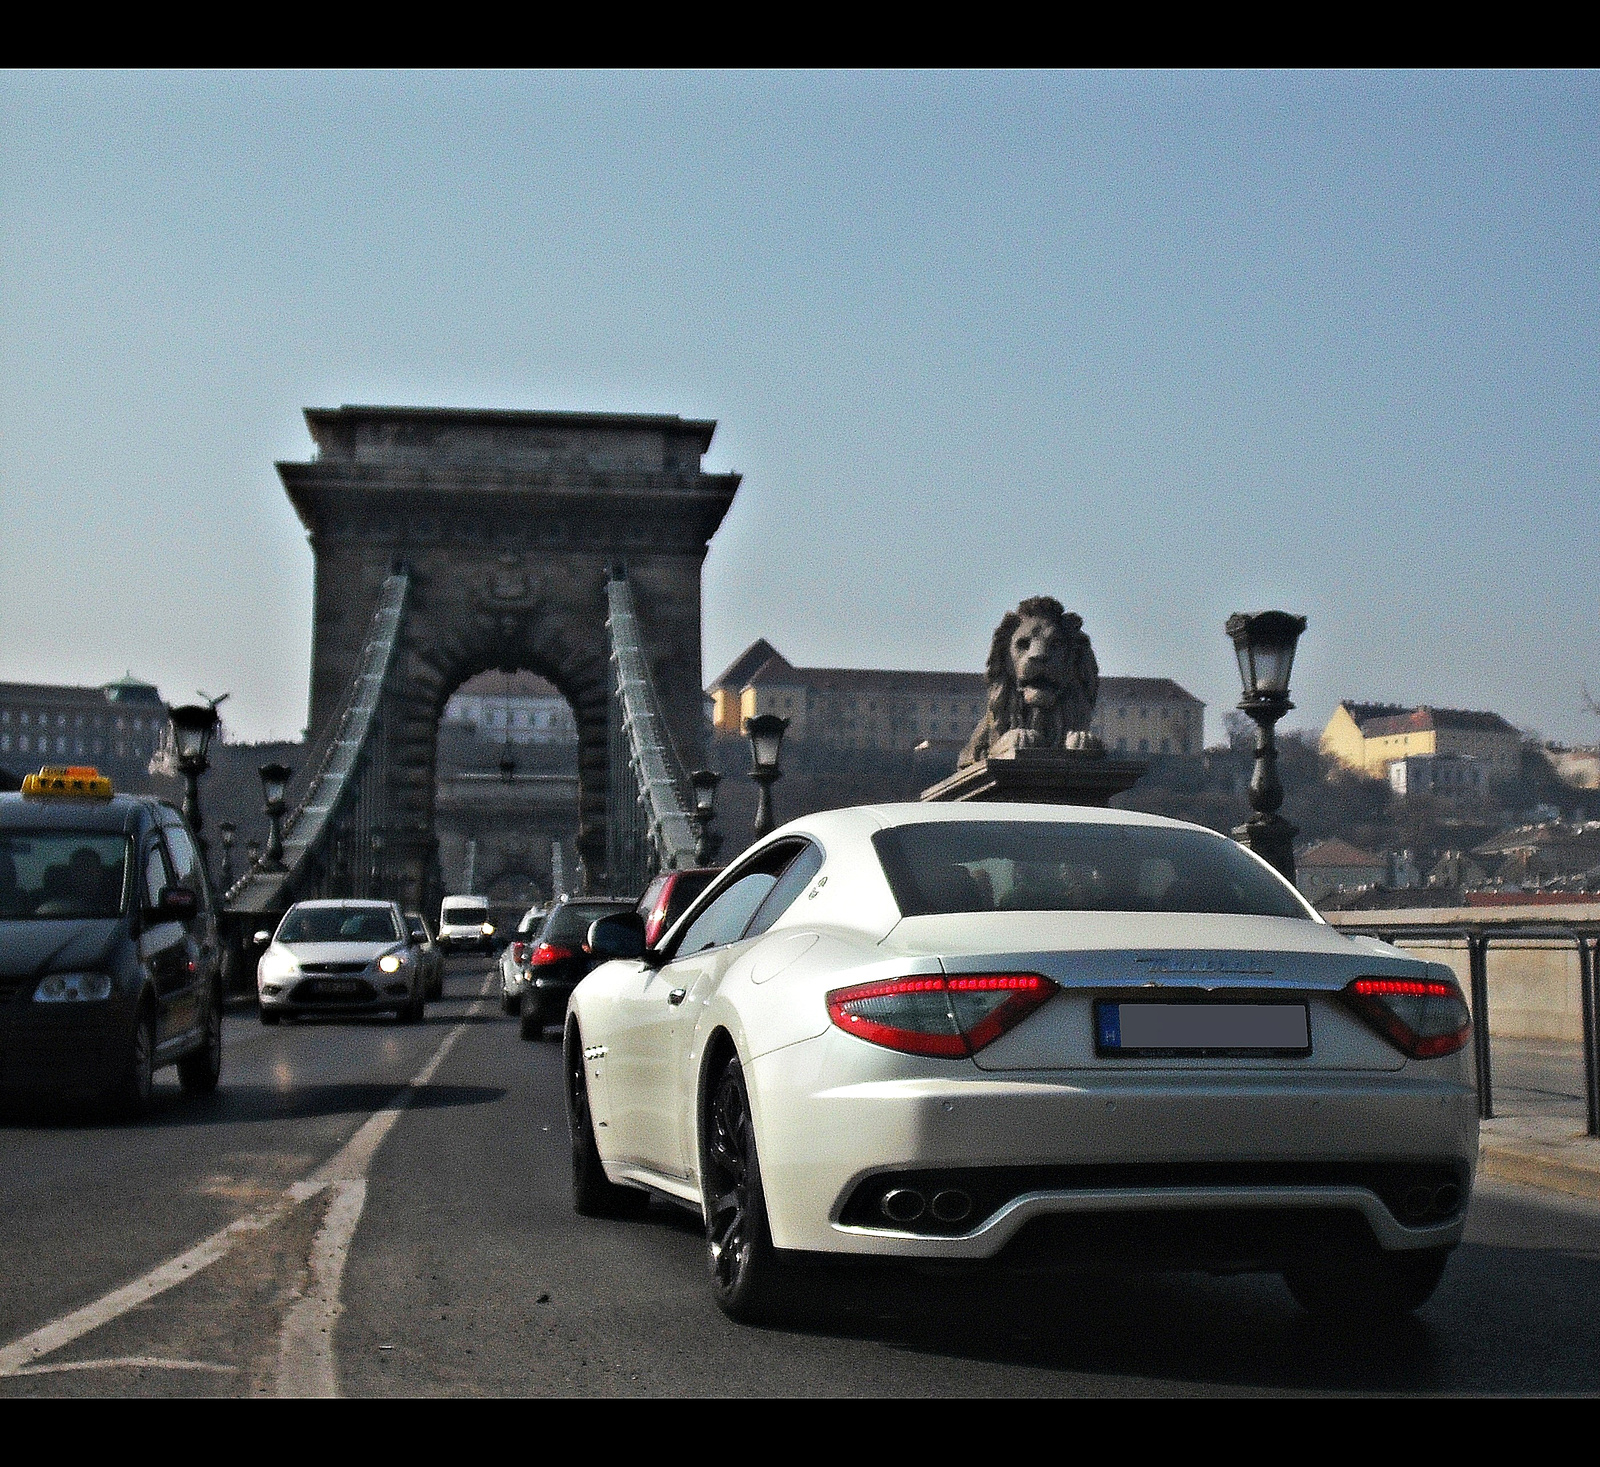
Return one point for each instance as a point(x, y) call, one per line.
point(510, 1004)
point(593, 1193)
point(269, 1016)
point(1376, 1284)
point(130, 1097)
point(198, 1073)
point(749, 1281)
point(532, 1011)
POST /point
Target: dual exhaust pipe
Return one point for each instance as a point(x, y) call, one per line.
point(908, 1204)
point(1426, 1202)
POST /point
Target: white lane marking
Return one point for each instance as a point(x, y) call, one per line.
point(60, 1332)
point(128, 1362)
point(305, 1344)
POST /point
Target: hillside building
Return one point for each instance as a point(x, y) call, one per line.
point(884, 708)
point(118, 727)
point(1369, 737)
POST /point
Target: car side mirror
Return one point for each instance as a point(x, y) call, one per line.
point(176, 904)
point(262, 938)
point(621, 935)
point(419, 938)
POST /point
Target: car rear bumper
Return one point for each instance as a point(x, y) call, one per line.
point(837, 1119)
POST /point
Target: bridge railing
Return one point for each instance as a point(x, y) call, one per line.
point(650, 824)
point(328, 838)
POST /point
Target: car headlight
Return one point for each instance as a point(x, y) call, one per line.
point(488, 929)
point(73, 988)
point(390, 963)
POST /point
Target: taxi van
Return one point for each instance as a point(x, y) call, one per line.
point(109, 959)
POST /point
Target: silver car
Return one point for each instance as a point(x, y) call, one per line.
point(342, 957)
point(515, 975)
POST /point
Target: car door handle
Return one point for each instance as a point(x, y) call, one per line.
point(677, 996)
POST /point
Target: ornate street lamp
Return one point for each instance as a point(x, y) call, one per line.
point(252, 851)
point(1264, 643)
point(274, 785)
point(229, 831)
point(707, 841)
point(192, 728)
point(765, 733)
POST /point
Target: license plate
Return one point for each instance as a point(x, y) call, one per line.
point(1131, 1029)
point(338, 986)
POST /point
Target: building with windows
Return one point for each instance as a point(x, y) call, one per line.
point(1436, 774)
point(1368, 737)
point(884, 708)
point(520, 709)
point(117, 727)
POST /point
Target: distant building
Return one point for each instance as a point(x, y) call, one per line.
point(1368, 737)
point(1327, 866)
point(521, 709)
point(884, 708)
point(117, 727)
point(1577, 767)
point(1436, 774)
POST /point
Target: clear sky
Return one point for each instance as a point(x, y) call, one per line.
point(1164, 346)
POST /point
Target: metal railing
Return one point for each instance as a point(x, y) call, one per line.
point(328, 838)
point(1476, 936)
point(650, 824)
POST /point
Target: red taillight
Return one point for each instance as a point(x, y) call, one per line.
point(946, 1017)
point(1422, 1017)
point(519, 952)
point(657, 918)
point(546, 953)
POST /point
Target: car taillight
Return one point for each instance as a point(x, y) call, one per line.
point(947, 1017)
point(519, 952)
point(1422, 1017)
point(547, 953)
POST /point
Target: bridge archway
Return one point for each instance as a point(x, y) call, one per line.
point(508, 524)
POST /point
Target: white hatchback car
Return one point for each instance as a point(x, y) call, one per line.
point(1048, 1036)
point(342, 956)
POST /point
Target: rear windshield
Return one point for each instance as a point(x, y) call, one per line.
point(570, 924)
point(1045, 866)
point(59, 874)
point(338, 924)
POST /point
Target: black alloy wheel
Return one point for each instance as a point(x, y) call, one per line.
point(1381, 1285)
point(131, 1095)
point(198, 1073)
point(747, 1279)
point(593, 1193)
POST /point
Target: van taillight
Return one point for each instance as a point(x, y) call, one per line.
point(948, 1017)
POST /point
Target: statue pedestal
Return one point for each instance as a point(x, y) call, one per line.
point(1041, 776)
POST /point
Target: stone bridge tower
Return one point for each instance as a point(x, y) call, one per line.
point(508, 522)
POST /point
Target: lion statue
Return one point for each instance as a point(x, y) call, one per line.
point(1043, 681)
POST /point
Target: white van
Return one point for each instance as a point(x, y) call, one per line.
point(464, 923)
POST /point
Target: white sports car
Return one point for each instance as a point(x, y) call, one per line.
point(1050, 1036)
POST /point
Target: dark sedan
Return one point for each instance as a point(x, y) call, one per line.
point(558, 959)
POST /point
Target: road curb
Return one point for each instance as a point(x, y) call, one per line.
point(1577, 1176)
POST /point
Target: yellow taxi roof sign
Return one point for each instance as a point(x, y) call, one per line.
point(83, 780)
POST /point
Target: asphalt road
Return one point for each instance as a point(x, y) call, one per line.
point(318, 1237)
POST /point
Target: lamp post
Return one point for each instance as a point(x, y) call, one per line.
point(1264, 643)
point(765, 733)
point(707, 842)
point(192, 728)
point(252, 851)
point(377, 863)
point(229, 831)
point(274, 784)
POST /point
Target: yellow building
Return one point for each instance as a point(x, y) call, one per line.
point(1368, 737)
